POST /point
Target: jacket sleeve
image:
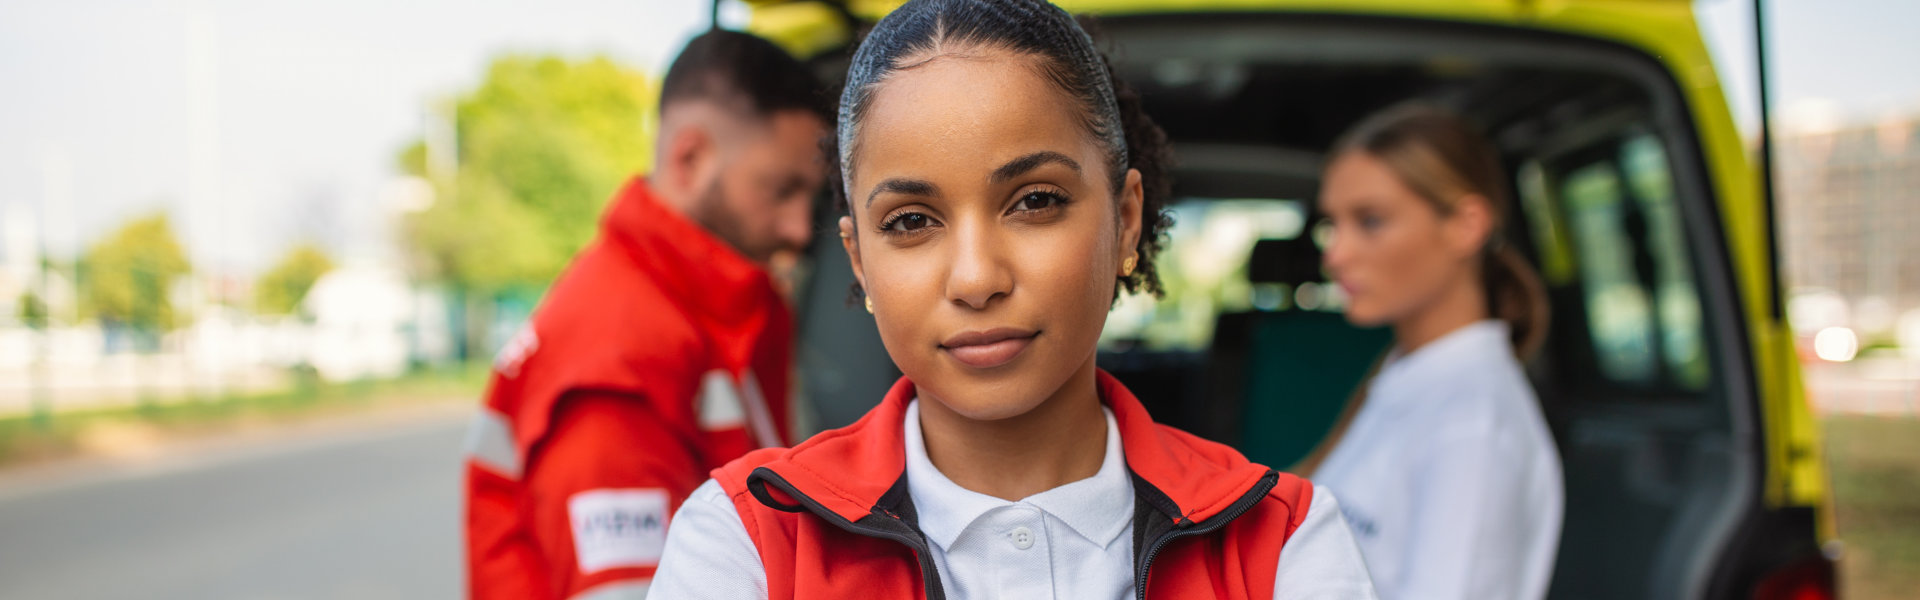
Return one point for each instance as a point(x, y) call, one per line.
point(601, 487)
point(1321, 561)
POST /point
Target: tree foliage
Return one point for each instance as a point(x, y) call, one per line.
point(542, 143)
point(280, 290)
point(33, 310)
point(127, 278)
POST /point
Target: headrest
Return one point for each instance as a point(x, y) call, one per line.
point(1291, 262)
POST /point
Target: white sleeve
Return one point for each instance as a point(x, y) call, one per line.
point(709, 554)
point(1467, 539)
point(1321, 560)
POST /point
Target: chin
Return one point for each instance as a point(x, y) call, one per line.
point(988, 409)
point(1361, 315)
point(989, 397)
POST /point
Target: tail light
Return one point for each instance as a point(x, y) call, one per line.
point(1805, 580)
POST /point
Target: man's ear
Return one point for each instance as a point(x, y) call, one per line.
point(850, 242)
point(686, 157)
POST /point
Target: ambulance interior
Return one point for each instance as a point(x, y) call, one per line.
point(1644, 376)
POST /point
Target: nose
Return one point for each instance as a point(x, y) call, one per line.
point(1335, 254)
point(979, 271)
point(795, 227)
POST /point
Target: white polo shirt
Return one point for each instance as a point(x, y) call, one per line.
point(1073, 541)
point(1449, 476)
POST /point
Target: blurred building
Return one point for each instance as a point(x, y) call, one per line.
point(1850, 217)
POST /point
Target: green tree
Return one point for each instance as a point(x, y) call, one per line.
point(33, 310)
point(543, 142)
point(280, 290)
point(128, 276)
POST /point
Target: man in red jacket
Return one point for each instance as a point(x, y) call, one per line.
point(663, 351)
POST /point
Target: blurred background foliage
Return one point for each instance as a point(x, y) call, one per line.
point(280, 290)
point(127, 279)
point(534, 153)
point(539, 147)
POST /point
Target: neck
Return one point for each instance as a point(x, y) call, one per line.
point(1462, 304)
point(1061, 441)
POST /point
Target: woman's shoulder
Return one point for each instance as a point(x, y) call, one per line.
point(732, 477)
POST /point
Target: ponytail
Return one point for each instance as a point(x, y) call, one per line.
point(1516, 295)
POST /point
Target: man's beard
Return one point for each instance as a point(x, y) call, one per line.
point(712, 213)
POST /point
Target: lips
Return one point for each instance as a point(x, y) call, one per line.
point(1347, 287)
point(990, 348)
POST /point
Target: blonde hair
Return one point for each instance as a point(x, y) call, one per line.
point(1443, 160)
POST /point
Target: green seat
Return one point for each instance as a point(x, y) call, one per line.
point(1304, 367)
point(1285, 376)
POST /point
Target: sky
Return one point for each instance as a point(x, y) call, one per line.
point(1833, 61)
point(257, 124)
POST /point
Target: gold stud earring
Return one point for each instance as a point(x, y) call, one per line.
point(1126, 266)
point(844, 236)
point(869, 304)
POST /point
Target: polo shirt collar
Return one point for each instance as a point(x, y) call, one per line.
point(1098, 508)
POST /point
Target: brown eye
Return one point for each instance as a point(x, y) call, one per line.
point(1038, 201)
point(906, 222)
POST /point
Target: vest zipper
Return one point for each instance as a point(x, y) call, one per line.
point(912, 537)
point(1239, 507)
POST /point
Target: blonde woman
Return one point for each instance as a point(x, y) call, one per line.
point(1446, 472)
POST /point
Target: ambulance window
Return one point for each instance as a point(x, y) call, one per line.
point(1207, 253)
point(1630, 266)
point(1650, 180)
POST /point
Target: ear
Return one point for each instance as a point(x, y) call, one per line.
point(1132, 201)
point(1470, 225)
point(849, 241)
point(687, 156)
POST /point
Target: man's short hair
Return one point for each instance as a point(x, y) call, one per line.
point(729, 67)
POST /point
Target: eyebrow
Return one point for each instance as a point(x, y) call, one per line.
point(1013, 168)
point(911, 187)
point(1020, 166)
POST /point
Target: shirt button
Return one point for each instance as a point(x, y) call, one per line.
point(1022, 537)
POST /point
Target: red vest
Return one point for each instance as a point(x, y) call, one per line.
point(831, 518)
point(656, 309)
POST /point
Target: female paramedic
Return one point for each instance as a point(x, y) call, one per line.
point(1000, 193)
point(1446, 471)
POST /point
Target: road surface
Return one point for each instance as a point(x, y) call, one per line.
point(367, 511)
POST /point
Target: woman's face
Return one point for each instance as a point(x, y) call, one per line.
point(985, 231)
point(1392, 251)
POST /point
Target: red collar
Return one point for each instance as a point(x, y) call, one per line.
point(703, 274)
point(849, 470)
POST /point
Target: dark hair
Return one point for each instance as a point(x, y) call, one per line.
point(729, 66)
point(1441, 158)
point(1065, 54)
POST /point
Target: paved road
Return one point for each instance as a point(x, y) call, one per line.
point(368, 511)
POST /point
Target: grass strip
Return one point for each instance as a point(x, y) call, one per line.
point(27, 438)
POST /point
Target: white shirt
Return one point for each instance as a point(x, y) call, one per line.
point(1448, 475)
point(1072, 541)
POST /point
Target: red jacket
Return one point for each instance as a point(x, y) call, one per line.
point(831, 517)
point(659, 355)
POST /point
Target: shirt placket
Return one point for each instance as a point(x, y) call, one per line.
point(1020, 552)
